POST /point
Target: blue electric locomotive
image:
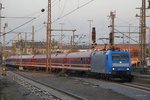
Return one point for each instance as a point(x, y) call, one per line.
point(111, 64)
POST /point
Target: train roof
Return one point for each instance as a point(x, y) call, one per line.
point(55, 55)
point(59, 55)
point(118, 52)
point(68, 55)
point(40, 56)
point(20, 56)
point(79, 54)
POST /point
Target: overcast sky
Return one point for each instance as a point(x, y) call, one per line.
point(96, 10)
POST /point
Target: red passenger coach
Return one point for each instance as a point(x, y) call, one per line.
point(26, 60)
point(39, 61)
point(20, 60)
point(69, 61)
point(59, 60)
point(79, 61)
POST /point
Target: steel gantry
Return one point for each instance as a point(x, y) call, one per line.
point(73, 35)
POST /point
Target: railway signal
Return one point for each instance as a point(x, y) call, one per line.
point(93, 35)
point(93, 38)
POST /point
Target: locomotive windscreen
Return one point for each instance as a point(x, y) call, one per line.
point(122, 57)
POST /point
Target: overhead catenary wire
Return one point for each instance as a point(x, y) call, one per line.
point(73, 11)
point(18, 26)
point(33, 18)
point(26, 17)
point(126, 36)
point(63, 8)
point(19, 17)
point(67, 13)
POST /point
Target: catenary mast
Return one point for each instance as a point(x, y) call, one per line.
point(48, 38)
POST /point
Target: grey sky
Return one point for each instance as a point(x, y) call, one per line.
point(97, 10)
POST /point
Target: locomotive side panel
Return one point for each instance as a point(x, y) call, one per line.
point(98, 63)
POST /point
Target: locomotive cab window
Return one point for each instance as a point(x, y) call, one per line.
point(120, 57)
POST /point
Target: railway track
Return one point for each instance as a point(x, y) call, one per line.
point(93, 84)
point(138, 86)
point(44, 91)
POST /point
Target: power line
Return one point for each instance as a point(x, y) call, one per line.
point(19, 17)
point(18, 26)
point(63, 8)
point(68, 12)
point(73, 11)
point(33, 18)
point(127, 36)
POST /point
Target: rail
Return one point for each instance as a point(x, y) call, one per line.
point(43, 90)
point(138, 86)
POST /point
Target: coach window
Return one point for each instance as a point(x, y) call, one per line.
point(81, 60)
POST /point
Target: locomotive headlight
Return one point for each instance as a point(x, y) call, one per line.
point(127, 69)
point(113, 68)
